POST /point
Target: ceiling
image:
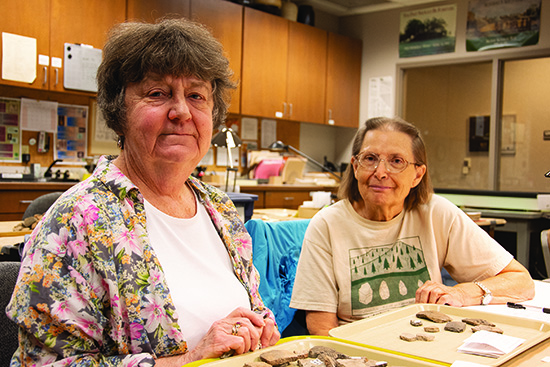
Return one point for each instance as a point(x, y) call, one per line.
point(353, 7)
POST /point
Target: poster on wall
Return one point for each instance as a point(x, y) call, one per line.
point(494, 24)
point(10, 131)
point(428, 31)
point(71, 139)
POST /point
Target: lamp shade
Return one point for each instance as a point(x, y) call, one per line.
point(226, 138)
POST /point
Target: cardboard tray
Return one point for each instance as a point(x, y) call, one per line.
point(382, 331)
point(300, 343)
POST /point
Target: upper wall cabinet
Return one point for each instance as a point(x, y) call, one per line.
point(225, 20)
point(343, 80)
point(284, 65)
point(264, 71)
point(52, 23)
point(150, 11)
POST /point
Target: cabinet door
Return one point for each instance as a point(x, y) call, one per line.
point(29, 18)
point(225, 19)
point(307, 60)
point(78, 21)
point(149, 11)
point(343, 80)
point(264, 71)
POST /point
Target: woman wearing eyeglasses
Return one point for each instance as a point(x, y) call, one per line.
point(383, 245)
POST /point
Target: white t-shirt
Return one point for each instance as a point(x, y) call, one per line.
point(198, 270)
point(356, 267)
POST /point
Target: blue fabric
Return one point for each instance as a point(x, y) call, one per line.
point(276, 248)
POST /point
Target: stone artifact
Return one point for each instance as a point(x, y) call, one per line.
point(277, 357)
point(493, 329)
point(455, 326)
point(431, 329)
point(256, 364)
point(316, 351)
point(416, 322)
point(434, 316)
point(425, 337)
point(408, 337)
point(476, 322)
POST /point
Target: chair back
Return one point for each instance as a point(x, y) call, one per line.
point(276, 248)
point(544, 241)
point(9, 270)
point(41, 204)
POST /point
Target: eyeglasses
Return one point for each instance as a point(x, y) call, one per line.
point(371, 161)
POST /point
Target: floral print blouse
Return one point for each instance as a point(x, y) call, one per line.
point(91, 290)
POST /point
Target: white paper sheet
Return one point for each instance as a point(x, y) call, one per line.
point(489, 344)
point(38, 115)
point(19, 57)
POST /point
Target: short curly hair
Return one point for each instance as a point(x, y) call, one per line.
point(420, 194)
point(176, 47)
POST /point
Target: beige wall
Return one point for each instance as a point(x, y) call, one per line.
point(380, 34)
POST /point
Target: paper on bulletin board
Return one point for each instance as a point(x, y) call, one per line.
point(38, 115)
point(102, 140)
point(221, 156)
point(269, 132)
point(71, 141)
point(10, 133)
point(381, 97)
point(19, 55)
point(249, 128)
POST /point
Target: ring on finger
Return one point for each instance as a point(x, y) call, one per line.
point(235, 328)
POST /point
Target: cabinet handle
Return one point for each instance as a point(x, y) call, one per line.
point(45, 75)
point(330, 113)
point(25, 201)
point(290, 110)
point(286, 198)
point(284, 109)
point(56, 76)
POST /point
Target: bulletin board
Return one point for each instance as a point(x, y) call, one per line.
point(10, 131)
point(71, 142)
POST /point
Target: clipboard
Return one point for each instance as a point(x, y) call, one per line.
point(81, 64)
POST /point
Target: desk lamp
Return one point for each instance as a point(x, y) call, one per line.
point(279, 146)
point(227, 138)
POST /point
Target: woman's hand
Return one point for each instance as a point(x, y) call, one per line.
point(241, 331)
point(432, 292)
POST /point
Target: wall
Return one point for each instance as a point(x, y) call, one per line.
point(380, 34)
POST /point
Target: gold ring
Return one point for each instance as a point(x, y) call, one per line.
point(235, 328)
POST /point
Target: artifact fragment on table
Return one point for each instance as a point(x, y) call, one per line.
point(435, 316)
point(256, 364)
point(455, 326)
point(277, 357)
point(318, 350)
point(416, 322)
point(431, 329)
point(492, 329)
point(425, 337)
point(408, 337)
point(476, 322)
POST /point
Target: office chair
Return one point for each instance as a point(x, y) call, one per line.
point(544, 241)
point(41, 204)
point(9, 270)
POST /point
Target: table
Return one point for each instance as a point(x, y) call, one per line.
point(8, 236)
point(532, 357)
point(489, 224)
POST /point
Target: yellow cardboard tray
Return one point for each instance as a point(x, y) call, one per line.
point(382, 331)
point(301, 343)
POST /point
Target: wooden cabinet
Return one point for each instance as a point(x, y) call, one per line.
point(284, 66)
point(298, 72)
point(225, 20)
point(16, 196)
point(30, 19)
point(55, 22)
point(264, 68)
point(306, 84)
point(343, 80)
point(149, 11)
point(283, 196)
